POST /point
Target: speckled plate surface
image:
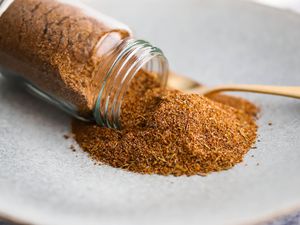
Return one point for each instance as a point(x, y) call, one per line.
point(213, 41)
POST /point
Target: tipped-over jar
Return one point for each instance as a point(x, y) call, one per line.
point(74, 57)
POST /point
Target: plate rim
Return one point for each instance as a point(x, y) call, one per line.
point(273, 216)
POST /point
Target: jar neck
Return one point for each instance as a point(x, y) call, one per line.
point(121, 66)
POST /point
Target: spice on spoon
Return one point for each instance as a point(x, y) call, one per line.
point(169, 132)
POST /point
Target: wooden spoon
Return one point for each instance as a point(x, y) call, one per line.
point(190, 86)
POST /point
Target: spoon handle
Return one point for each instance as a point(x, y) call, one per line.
point(288, 91)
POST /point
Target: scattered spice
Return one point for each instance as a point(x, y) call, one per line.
point(169, 132)
point(73, 148)
point(68, 136)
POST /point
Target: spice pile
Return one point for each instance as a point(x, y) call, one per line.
point(169, 132)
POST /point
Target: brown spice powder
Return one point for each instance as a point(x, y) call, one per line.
point(169, 132)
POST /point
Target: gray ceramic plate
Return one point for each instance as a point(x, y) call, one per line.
point(213, 41)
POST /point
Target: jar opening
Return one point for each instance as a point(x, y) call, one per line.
point(130, 57)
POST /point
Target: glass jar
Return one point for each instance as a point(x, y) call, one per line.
point(74, 57)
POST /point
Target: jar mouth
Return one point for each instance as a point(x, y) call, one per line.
point(129, 57)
